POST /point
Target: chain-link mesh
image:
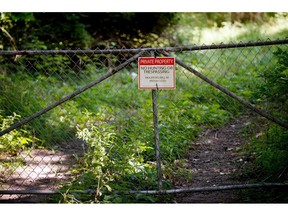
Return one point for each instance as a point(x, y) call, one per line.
point(105, 133)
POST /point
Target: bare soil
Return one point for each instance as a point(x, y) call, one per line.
point(43, 170)
point(215, 161)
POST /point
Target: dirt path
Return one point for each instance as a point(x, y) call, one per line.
point(43, 170)
point(214, 161)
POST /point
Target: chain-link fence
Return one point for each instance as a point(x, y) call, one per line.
point(75, 122)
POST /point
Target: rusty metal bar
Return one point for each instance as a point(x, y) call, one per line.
point(156, 133)
point(127, 50)
point(156, 138)
point(155, 192)
point(207, 188)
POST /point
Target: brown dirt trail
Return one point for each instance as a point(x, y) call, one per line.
point(214, 161)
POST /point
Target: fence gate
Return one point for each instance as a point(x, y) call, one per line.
point(75, 127)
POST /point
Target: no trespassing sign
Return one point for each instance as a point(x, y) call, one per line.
point(156, 73)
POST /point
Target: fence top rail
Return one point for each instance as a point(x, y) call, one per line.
point(136, 50)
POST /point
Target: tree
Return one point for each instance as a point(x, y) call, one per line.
point(81, 30)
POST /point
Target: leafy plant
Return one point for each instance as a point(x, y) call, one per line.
point(274, 85)
point(267, 153)
point(16, 140)
point(108, 157)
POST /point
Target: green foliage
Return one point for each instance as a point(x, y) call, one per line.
point(208, 28)
point(31, 97)
point(107, 156)
point(276, 80)
point(110, 163)
point(274, 88)
point(82, 30)
point(106, 149)
point(268, 154)
point(107, 30)
point(270, 149)
point(16, 140)
point(9, 22)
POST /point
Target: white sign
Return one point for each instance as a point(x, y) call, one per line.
point(156, 73)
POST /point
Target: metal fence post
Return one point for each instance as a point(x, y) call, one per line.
point(156, 134)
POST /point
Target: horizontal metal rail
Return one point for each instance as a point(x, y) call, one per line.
point(153, 192)
point(207, 188)
point(24, 192)
point(132, 50)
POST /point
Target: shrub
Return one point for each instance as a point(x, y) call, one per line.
point(274, 88)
